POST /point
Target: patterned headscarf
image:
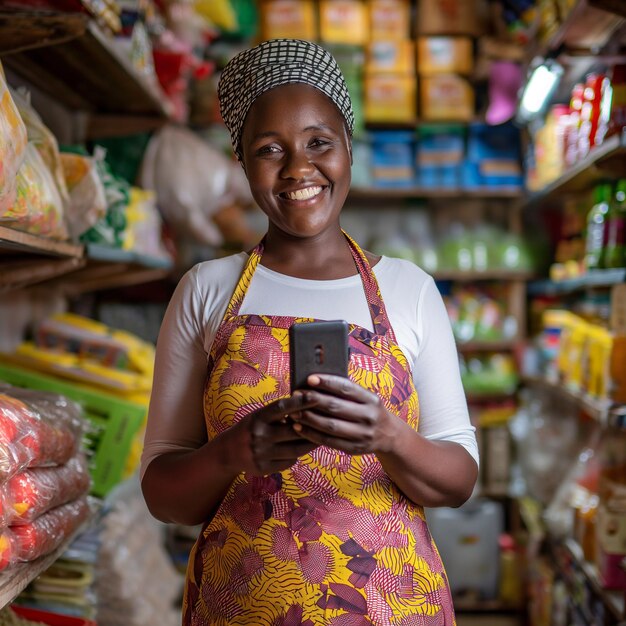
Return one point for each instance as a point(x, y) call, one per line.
point(271, 64)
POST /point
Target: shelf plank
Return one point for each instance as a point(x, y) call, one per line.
point(475, 276)
point(597, 409)
point(90, 73)
point(505, 345)
point(401, 193)
point(587, 26)
point(608, 158)
point(593, 279)
point(20, 31)
point(16, 240)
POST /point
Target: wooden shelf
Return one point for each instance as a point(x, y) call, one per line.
point(588, 26)
point(593, 279)
point(475, 276)
point(504, 345)
point(28, 260)
point(406, 193)
point(18, 241)
point(80, 67)
point(16, 579)
point(597, 409)
point(608, 159)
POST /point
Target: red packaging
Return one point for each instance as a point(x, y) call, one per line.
point(48, 531)
point(32, 492)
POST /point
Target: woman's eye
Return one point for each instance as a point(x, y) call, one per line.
point(271, 149)
point(318, 143)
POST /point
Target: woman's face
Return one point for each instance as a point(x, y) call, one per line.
point(297, 157)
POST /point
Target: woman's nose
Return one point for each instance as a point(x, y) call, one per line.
point(296, 165)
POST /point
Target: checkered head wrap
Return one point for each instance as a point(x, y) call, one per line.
point(271, 64)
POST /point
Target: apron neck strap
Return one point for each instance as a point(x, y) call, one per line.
point(370, 284)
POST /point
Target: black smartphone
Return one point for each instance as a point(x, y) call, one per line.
point(317, 348)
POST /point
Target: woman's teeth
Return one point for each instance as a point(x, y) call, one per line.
point(303, 194)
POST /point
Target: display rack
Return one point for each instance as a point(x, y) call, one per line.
point(409, 193)
point(588, 26)
point(68, 57)
point(590, 280)
point(28, 260)
point(603, 161)
point(597, 409)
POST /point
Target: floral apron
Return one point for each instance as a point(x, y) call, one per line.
point(331, 541)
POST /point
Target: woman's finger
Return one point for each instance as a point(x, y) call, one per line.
point(327, 404)
point(320, 438)
point(280, 409)
point(333, 426)
point(340, 386)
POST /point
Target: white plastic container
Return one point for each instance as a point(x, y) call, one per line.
point(467, 539)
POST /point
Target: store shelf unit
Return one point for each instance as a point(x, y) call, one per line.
point(416, 193)
point(602, 162)
point(68, 57)
point(591, 280)
point(27, 260)
point(569, 551)
point(588, 26)
point(597, 409)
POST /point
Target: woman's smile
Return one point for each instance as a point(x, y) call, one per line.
point(303, 194)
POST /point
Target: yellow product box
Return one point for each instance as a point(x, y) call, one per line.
point(390, 98)
point(597, 381)
point(344, 21)
point(446, 97)
point(449, 17)
point(444, 55)
point(392, 57)
point(389, 19)
point(288, 18)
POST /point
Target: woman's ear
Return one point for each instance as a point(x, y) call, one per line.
point(350, 150)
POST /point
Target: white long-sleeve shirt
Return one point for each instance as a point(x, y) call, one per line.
point(414, 306)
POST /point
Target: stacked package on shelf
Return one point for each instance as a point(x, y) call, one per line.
point(108, 371)
point(577, 352)
point(493, 157)
point(32, 197)
point(390, 82)
point(44, 477)
point(445, 59)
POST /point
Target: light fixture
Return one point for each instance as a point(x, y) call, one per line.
point(544, 79)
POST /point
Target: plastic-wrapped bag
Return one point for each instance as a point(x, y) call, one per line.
point(35, 430)
point(143, 233)
point(87, 200)
point(14, 429)
point(38, 207)
point(12, 145)
point(193, 181)
point(43, 139)
point(33, 492)
point(48, 531)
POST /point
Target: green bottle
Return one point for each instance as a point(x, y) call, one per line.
point(614, 254)
point(596, 226)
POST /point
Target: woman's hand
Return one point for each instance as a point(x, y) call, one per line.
point(272, 443)
point(350, 418)
point(345, 416)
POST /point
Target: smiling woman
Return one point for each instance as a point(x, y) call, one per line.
point(317, 519)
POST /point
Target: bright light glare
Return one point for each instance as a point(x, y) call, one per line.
point(539, 89)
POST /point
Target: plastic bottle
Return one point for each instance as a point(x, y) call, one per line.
point(614, 254)
point(596, 225)
point(611, 524)
point(510, 587)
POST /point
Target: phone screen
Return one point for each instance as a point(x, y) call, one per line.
point(317, 348)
